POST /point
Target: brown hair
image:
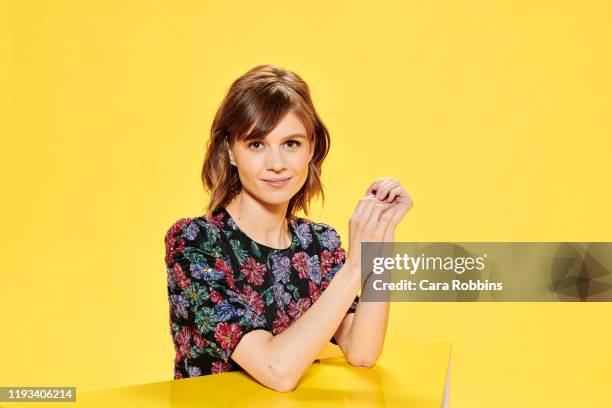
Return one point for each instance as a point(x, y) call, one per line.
point(257, 101)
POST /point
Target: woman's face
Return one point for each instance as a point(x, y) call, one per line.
point(283, 154)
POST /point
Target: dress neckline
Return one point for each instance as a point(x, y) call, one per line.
point(295, 241)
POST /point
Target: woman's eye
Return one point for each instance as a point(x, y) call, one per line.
point(294, 143)
point(290, 143)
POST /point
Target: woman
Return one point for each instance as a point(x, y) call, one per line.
point(251, 286)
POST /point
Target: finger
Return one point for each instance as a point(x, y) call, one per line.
point(398, 215)
point(385, 188)
point(403, 194)
point(371, 190)
point(381, 187)
point(387, 215)
point(404, 199)
point(375, 186)
point(374, 219)
point(360, 207)
point(363, 210)
point(402, 209)
point(387, 218)
point(395, 192)
point(368, 207)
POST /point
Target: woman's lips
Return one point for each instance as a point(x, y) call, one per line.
point(279, 182)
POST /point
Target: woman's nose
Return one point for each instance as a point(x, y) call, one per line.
point(275, 160)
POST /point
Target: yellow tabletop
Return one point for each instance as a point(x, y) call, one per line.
point(407, 374)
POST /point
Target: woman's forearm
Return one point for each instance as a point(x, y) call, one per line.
point(366, 335)
point(294, 350)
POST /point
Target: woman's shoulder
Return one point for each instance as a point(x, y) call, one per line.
point(195, 229)
point(190, 239)
point(326, 234)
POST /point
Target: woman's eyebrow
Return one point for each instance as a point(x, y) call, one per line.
point(262, 138)
point(296, 136)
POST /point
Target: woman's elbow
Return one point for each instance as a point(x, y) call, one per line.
point(284, 386)
point(362, 360)
point(282, 380)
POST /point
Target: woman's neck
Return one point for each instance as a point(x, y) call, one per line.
point(265, 224)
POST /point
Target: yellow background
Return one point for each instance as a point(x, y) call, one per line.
point(494, 115)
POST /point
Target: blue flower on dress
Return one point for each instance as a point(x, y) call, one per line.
point(314, 269)
point(281, 268)
point(180, 300)
point(194, 371)
point(333, 271)
point(243, 308)
point(281, 297)
point(303, 233)
point(255, 321)
point(224, 311)
point(235, 298)
point(191, 232)
point(171, 281)
point(179, 305)
point(197, 271)
point(231, 223)
point(331, 240)
point(209, 274)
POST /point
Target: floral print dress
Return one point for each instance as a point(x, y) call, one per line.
point(222, 285)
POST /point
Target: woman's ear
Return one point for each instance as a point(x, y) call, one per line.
point(229, 152)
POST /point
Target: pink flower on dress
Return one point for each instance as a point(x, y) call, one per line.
point(178, 226)
point(171, 237)
point(219, 367)
point(199, 341)
point(172, 249)
point(300, 263)
point(253, 271)
point(228, 334)
point(339, 255)
point(326, 261)
point(281, 322)
point(296, 309)
point(217, 220)
point(180, 277)
point(215, 296)
point(254, 299)
point(220, 265)
point(314, 291)
point(183, 339)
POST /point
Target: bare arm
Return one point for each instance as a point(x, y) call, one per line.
point(363, 340)
point(279, 362)
point(362, 335)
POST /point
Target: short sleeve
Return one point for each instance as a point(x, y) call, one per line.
point(209, 312)
point(331, 243)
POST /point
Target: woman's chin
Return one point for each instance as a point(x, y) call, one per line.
point(277, 197)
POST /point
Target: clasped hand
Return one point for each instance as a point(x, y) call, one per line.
point(377, 214)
